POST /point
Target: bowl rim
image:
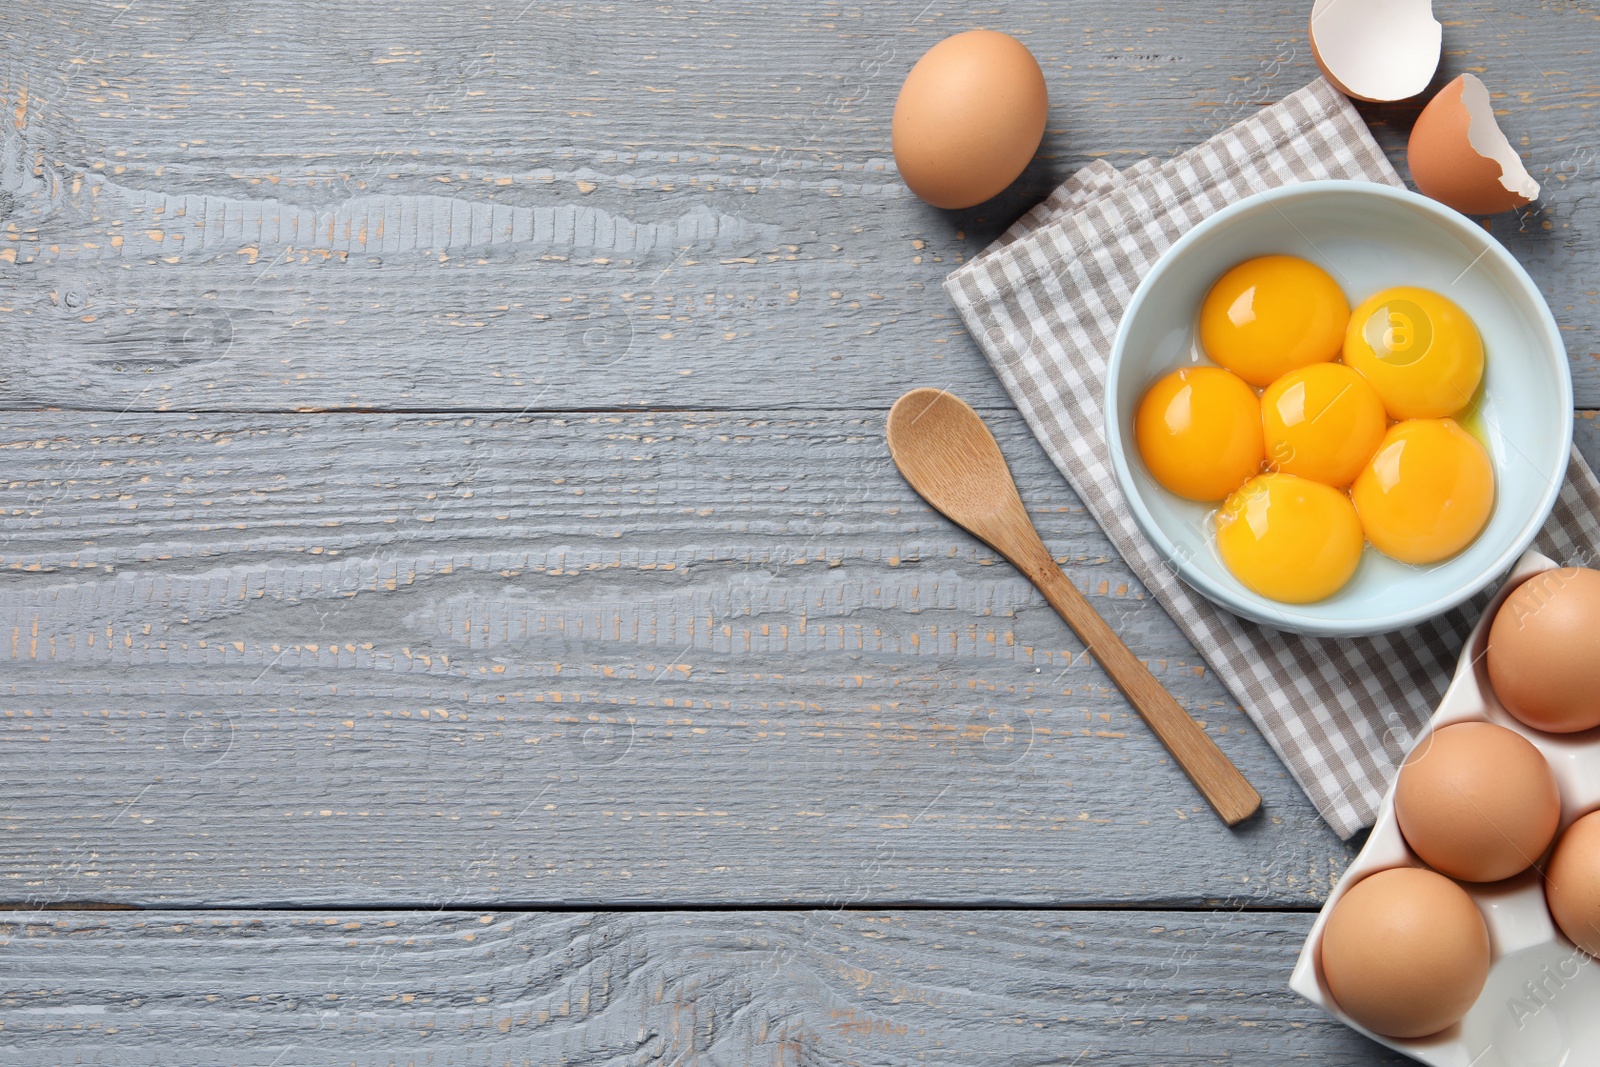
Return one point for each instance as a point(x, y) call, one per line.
point(1297, 618)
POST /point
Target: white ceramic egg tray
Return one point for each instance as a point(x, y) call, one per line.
point(1541, 1004)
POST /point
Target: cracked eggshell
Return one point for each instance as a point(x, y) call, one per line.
point(1460, 157)
point(1378, 50)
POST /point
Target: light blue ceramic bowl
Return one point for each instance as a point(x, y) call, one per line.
point(1369, 237)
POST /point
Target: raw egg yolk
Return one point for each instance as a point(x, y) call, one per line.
point(1322, 422)
point(1199, 432)
point(1420, 352)
point(1269, 316)
point(1289, 538)
point(1427, 493)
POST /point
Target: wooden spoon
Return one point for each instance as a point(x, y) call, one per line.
point(949, 456)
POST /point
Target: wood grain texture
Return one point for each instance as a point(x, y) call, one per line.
point(248, 661)
point(646, 657)
point(823, 988)
point(520, 206)
point(253, 657)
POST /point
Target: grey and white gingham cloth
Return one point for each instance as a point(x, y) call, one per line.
point(1044, 302)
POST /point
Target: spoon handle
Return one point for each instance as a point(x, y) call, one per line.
point(1218, 780)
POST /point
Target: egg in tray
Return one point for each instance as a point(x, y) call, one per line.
point(1465, 932)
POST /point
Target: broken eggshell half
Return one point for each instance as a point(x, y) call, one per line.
point(1460, 157)
point(1378, 50)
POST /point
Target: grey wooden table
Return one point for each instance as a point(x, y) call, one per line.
point(455, 602)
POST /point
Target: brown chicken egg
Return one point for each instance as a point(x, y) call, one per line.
point(1477, 802)
point(1544, 651)
point(1376, 49)
point(1572, 883)
point(1460, 157)
point(970, 116)
point(1405, 952)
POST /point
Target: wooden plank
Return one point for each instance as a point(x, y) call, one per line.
point(836, 987)
point(648, 657)
point(562, 206)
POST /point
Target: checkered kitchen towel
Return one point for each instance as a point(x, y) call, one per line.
point(1044, 302)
